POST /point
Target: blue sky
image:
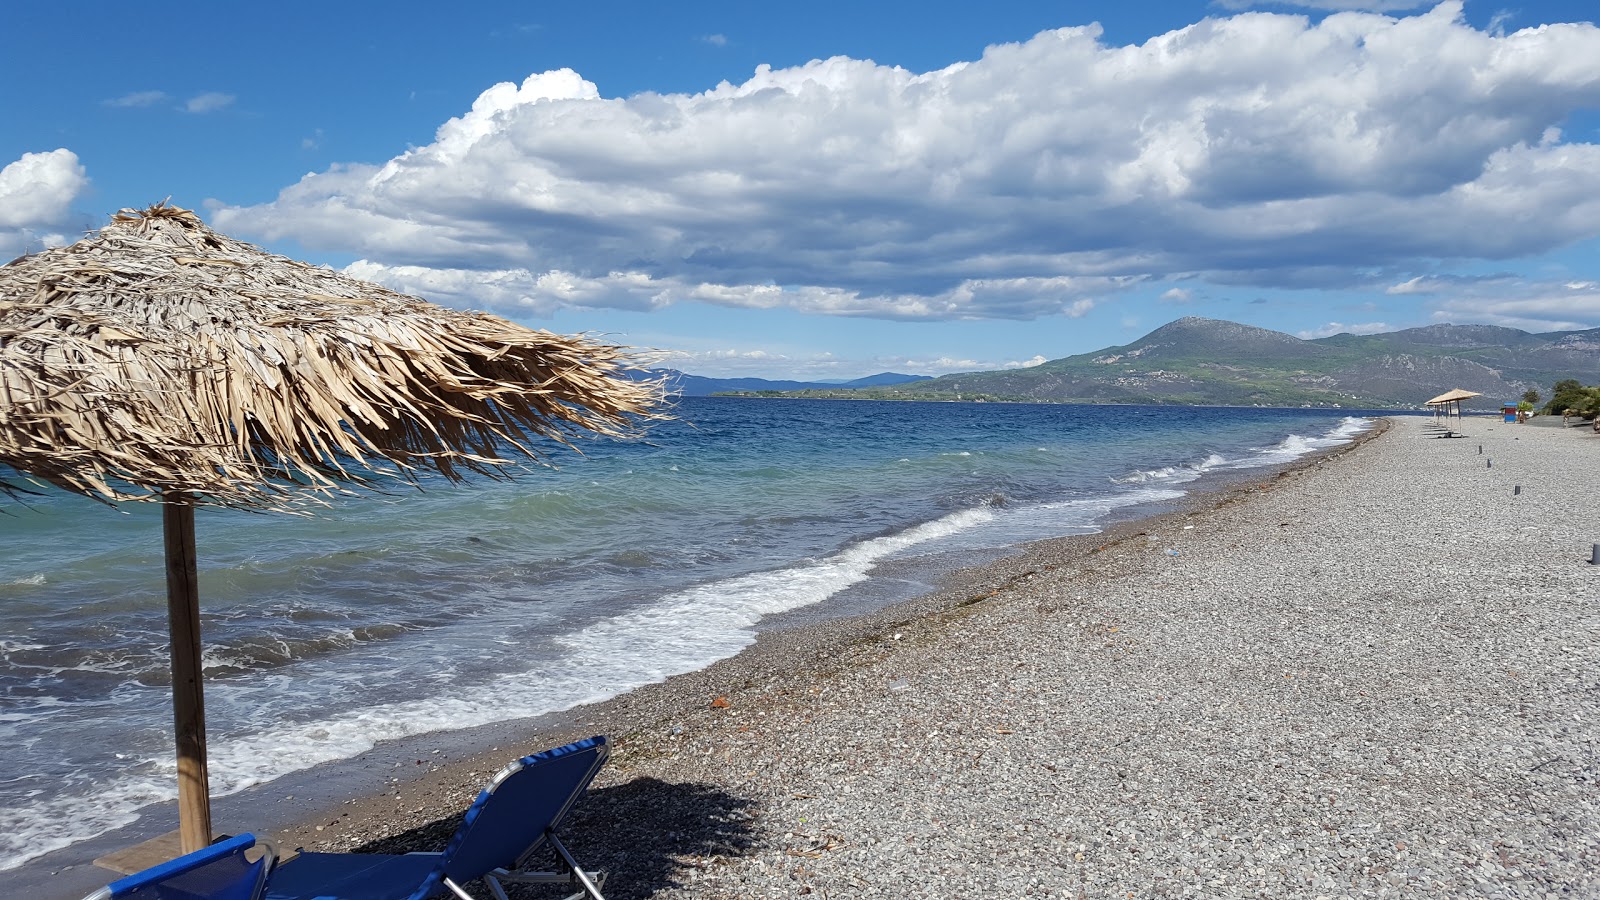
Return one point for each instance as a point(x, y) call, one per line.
point(837, 189)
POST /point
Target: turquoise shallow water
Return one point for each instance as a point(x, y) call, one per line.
point(385, 617)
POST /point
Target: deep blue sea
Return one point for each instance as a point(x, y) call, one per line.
point(493, 601)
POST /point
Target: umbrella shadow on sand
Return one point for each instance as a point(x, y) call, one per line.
point(644, 834)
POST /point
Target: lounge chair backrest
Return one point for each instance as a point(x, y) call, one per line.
point(513, 815)
point(218, 872)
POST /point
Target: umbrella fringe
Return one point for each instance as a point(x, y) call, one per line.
point(160, 356)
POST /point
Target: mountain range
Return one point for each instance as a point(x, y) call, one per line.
point(687, 385)
point(1198, 361)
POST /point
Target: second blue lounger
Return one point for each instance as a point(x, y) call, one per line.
point(516, 815)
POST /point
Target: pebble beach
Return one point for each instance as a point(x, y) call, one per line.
point(1371, 675)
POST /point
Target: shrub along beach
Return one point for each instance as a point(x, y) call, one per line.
point(1373, 675)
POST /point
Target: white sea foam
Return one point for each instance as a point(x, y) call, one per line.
point(1349, 427)
point(1295, 446)
point(697, 626)
point(1098, 506)
point(1292, 447)
point(1174, 474)
point(678, 633)
point(54, 819)
point(1289, 449)
point(1024, 522)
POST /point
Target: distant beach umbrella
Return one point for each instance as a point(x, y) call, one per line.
point(158, 360)
point(1442, 403)
point(1453, 396)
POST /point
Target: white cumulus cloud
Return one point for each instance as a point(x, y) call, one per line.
point(774, 364)
point(1514, 302)
point(1333, 328)
point(1026, 363)
point(513, 291)
point(36, 193)
point(1038, 180)
point(1332, 5)
point(208, 102)
point(138, 99)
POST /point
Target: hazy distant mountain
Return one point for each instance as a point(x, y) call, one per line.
point(1207, 361)
point(883, 379)
point(700, 386)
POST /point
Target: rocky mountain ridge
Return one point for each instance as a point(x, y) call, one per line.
point(1202, 361)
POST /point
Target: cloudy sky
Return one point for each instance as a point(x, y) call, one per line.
point(837, 189)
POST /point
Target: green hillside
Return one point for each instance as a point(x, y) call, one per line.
point(1212, 362)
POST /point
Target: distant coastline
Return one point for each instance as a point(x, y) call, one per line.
point(1209, 362)
point(940, 398)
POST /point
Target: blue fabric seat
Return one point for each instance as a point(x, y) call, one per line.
point(515, 816)
point(221, 871)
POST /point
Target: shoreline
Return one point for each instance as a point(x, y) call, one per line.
point(1370, 674)
point(440, 772)
point(674, 755)
point(637, 720)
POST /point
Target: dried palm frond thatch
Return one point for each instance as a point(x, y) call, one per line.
point(160, 360)
point(159, 356)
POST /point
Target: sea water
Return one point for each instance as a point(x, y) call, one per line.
point(387, 616)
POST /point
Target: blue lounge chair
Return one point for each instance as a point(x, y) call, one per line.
point(218, 872)
point(513, 817)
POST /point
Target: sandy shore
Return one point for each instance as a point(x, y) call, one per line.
point(1374, 675)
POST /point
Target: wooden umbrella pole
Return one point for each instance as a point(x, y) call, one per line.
point(188, 695)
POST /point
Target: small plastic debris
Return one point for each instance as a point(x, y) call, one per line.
point(1172, 551)
point(899, 684)
point(721, 703)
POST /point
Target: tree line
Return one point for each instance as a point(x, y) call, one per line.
point(1570, 397)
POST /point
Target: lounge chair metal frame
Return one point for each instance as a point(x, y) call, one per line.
point(592, 882)
point(512, 819)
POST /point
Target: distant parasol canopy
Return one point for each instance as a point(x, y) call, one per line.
point(1455, 396)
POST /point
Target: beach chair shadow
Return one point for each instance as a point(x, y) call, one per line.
point(644, 833)
point(516, 816)
point(651, 834)
point(222, 871)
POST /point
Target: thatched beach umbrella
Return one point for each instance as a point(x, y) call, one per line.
point(159, 360)
point(1442, 403)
